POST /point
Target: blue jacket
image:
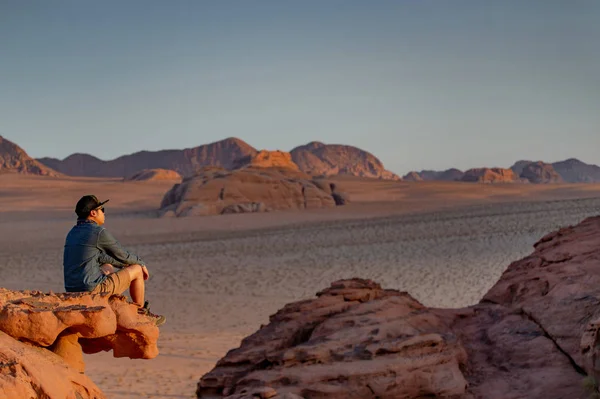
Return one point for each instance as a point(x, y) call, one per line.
point(87, 247)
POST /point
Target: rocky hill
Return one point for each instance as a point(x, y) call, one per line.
point(216, 191)
point(14, 159)
point(540, 172)
point(185, 162)
point(318, 159)
point(412, 176)
point(574, 171)
point(535, 335)
point(490, 175)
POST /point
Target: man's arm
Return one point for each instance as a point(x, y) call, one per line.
point(105, 258)
point(110, 245)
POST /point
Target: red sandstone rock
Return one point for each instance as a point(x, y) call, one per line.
point(354, 340)
point(71, 323)
point(27, 371)
point(535, 334)
point(218, 191)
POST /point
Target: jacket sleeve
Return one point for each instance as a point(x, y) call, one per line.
point(104, 258)
point(110, 245)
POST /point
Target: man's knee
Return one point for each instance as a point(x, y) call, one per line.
point(135, 272)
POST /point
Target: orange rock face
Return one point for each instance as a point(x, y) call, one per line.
point(154, 174)
point(61, 327)
point(30, 372)
point(267, 159)
point(218, 191)
point(490, 175)
point(14, 159)
point(535, 334)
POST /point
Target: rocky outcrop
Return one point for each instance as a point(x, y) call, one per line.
point(574, 171)
point(318, 159)
point(412, 176)
point(267, 159)
point(540, 172)
point(185, 162)
point(58, 329)
point(154, 175)
point(490, 175)
point(535, 334)
point(14, 159)
point(219, 191)
point(446, 175)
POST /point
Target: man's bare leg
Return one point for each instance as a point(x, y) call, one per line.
point(137, 288)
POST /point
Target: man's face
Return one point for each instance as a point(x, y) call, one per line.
point(97, 215)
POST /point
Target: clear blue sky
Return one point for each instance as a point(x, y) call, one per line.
point(421, 84)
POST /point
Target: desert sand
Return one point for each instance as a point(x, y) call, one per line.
point(218, 278)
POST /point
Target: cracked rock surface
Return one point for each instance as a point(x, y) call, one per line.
point(535, 334)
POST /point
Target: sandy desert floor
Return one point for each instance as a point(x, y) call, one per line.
point(217, 279)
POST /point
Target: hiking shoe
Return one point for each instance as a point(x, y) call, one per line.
point(159, 320)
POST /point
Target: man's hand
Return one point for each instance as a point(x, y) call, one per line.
point(146, 273)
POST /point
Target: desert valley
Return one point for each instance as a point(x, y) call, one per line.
point(232, 235)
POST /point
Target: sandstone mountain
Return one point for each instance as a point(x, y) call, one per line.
point(14, 159)
point(574, 171)
point(154, 174)
point(185, 162)
point(267, 159)
point(490, 175)
point(535, 335)
point(318, 159)
point(218, 191)
point(540, 172)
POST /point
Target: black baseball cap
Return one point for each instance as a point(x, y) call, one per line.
point(86, 204)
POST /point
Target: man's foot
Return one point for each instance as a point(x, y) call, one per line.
point(159, 320)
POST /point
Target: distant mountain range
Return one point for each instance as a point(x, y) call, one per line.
point(569, 171)
point(314, 158)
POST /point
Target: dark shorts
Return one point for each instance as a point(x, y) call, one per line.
point(115, 283)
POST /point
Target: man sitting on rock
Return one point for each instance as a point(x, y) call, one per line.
point(95, 261)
